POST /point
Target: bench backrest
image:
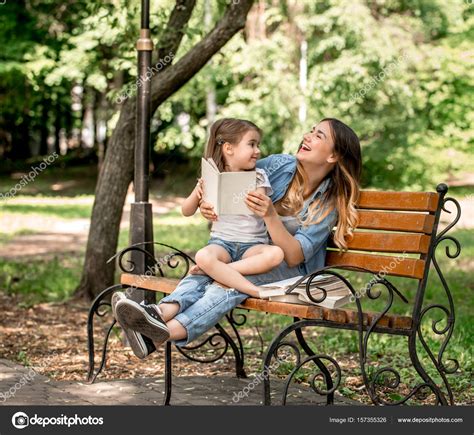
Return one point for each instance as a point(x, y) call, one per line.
point(395, 233)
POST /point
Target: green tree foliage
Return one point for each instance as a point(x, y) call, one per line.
point(400, 72)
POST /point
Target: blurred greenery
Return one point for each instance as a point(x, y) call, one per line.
point(400, 72)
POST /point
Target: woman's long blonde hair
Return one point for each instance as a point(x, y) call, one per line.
point(226, 130)
point(343, 191)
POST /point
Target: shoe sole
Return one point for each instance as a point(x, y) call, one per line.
point(134, 339)
point(133, 316)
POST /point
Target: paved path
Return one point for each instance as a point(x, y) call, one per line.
point(27, 387)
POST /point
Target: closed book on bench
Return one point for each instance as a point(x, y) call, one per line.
point(329, 282)
point(226, 191)
point(332, 300)
point(293, 291)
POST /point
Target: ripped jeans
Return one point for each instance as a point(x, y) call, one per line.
point(202, 304)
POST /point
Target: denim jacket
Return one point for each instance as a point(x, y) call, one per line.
point(281, 169)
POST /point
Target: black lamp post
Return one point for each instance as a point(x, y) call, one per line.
point(141, 217)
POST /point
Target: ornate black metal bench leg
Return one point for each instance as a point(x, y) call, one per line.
point(168, 374)
point(238, 351)
point(421, 371)
point(94, 309)
point(278, 343)
point(215, 339)
point(317, 361)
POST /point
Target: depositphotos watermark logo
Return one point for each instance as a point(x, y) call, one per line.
point(20, 420)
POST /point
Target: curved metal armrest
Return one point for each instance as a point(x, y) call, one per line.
point(157, 264)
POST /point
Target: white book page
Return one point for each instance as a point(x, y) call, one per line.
point(210, 184)
point(213, 164)
point(234, 186)
point(283, 283)
point(290, 281)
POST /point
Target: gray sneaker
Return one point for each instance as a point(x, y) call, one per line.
point(143, 319)
point(141, 345)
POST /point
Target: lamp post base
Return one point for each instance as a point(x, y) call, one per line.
point(141, 231)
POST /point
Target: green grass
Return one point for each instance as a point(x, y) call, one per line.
point(54, 181)
point(64, 211)
point(52, 280)
point(460, 191)
point(7, 237)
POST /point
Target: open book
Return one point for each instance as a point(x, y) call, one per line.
point(226, 190)
point(293, 291)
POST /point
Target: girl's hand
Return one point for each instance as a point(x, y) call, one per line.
point(207, 210)
point(260, 204)
point(199, 189)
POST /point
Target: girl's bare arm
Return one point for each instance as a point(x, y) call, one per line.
point(191, 203)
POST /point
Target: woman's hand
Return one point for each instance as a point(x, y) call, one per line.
point(207, 211)
point(260, 204)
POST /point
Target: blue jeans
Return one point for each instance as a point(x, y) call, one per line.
point(235, 249)
point(202, 304)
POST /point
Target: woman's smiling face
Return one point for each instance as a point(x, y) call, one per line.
point(317, 146)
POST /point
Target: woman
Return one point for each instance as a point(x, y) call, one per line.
point(312, 191)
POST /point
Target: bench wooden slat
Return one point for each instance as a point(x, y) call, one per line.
point(388, 242)
point(396, 266)
point(167, 285)
point(392, 221)
point(403, 201)
point(293, 310)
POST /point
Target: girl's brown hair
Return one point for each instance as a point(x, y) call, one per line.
point(226, 130)
point(343, 191)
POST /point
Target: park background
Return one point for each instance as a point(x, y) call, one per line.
point(399, 72)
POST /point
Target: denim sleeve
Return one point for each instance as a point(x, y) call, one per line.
point(313, 237)
point(264, 163)
point(279, 169)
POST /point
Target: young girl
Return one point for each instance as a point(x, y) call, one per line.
point(238, 243)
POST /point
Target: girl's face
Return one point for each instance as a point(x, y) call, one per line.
point(317, 146)
point(243, 155)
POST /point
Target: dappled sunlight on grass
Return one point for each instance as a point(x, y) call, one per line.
point(47, 280)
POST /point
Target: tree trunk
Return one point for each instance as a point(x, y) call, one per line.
point(211, 103)
point(117, 170)
point(68, 123)
point(83, 115)
point(44, 130)
point(100, 116)
point(21, 140)
point(57, 126)
point(115, 176)
point(21, 134)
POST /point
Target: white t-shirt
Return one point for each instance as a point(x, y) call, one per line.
point(244, 228)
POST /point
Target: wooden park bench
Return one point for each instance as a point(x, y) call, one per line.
point(397, 235)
